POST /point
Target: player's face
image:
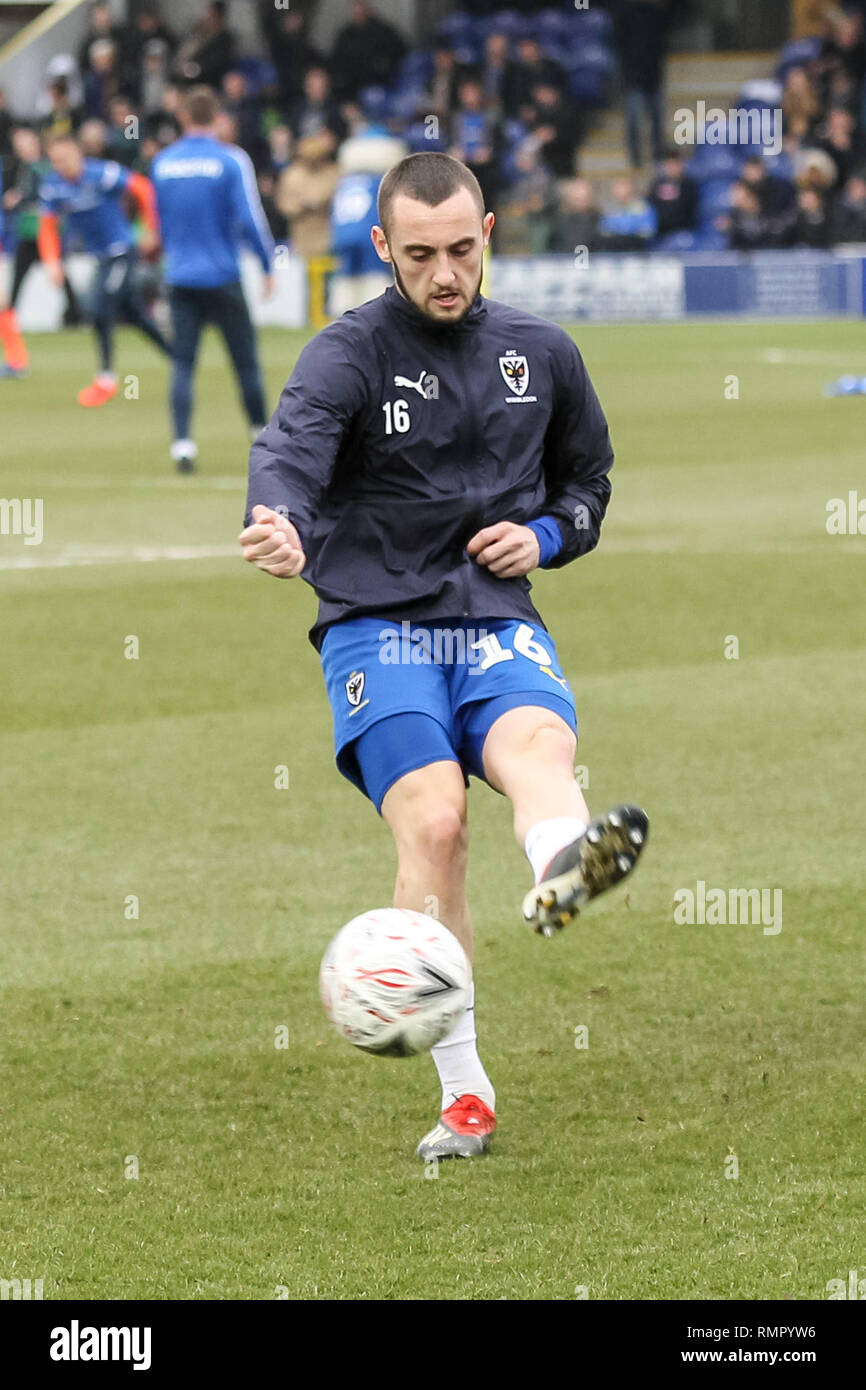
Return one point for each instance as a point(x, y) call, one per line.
point(66, 159)
point(436, 253)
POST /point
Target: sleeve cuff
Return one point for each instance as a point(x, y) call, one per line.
point(549, 539)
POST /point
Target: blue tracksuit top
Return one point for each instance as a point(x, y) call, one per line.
point(91, 206)
point(396, 439)
point(208, 204)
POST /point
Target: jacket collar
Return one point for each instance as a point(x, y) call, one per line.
point(407, 311)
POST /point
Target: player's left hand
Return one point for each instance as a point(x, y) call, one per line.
point(148, 246)
point(506, 549)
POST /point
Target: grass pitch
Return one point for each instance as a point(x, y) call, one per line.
point(146, 1044)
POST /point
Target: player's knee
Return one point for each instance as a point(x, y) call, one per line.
point(436, 831)
point(552, 741)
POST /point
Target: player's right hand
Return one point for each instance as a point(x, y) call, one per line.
point(272, 544)
point(55, 273)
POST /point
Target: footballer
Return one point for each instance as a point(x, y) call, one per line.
point(429, 451)
point(86, 195)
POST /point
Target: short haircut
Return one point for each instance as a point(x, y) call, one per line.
point(200, 105)
point(429, 178)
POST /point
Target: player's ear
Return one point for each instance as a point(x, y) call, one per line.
point(487, 227)
point(380, 241)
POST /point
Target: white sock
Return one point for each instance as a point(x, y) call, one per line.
point(546, 838)
point(106, 379)
point(184, 449)
point(458, 1063)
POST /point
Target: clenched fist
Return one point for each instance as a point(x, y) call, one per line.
point(507, 549)
point(273, 544)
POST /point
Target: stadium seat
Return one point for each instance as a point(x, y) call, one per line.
point(376, 103)
point(257, 72)
point(592, 23)
point(416, 68)
point(797, 54)
point(417, 138)
point(502, 22)
point(714, 198)
point(457, 29)
point(712, 163)
point(591, 70)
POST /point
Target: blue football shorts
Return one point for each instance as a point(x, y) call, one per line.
point(407, 694)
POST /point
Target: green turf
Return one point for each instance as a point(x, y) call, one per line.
point(262, 1169)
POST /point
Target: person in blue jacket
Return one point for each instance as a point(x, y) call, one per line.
point(429, 451)
point(208, 205)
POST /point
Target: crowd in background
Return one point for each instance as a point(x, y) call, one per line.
point(509, 110)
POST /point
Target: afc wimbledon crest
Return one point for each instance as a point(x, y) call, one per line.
point(355, 687)
point(515, 373)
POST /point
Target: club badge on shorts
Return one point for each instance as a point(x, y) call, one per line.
point(355, 687)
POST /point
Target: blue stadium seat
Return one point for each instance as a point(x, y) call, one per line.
point(592, 23)
point(257, 72)
point(796, 55)
point(376, 103)
point(405, 102)
point(415, 68)
point(416, 136)
point(714, 198)
point(457, 28)
point(716, 162)
point(591, 70)
point(502, 22)
point(554, 27)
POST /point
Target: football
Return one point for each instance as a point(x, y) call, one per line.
point(394, 982)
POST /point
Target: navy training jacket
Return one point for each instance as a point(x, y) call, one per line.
point(396, 439)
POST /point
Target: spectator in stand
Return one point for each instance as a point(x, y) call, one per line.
point(812, 227)
point(777, 200)
point(844, 55)
point(495, 70)
point(164, 125)
point(642, 45)
point(6, 127)
point(525, 213)
point(101, 31)
point(290, 49)
point(748, 228)
point(123, 132)
point(475, 137)
point(628, 223)
point(839, 139)
point(154, 76)
point(93, 138)
point(206, 56)
point(557, 127)
point(367, 52)
point(674, 195)
point(247, 112)
point(304, 192)
point(528, 70)
point(275, 219)
point(578, 222)
point(848, 218)
point(317, 110)
point(146, 36)
point(279, 149)
point(61, 118)
point(101, 83)
point(443, 84)
point(800, 104)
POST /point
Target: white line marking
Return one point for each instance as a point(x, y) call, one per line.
point(118, 555)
